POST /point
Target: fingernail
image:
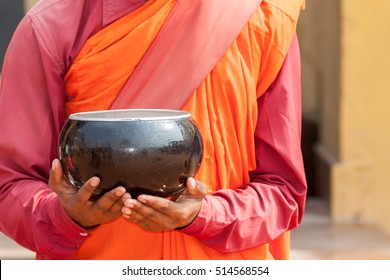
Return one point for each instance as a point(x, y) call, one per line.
point(95, 181)
point(53, 164)
point(120, 191)
point(129, 203)
point(126, 211)
point(192, 183)
point(125, 197)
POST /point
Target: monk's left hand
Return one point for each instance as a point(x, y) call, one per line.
point(159, 214)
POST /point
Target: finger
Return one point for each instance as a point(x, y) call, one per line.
point(56, 180)
point(115, 209)
point(56, 171)
point(125, 197)
point(155, 203)
point(129, 202)
point(136, 215)
point(87, 189)
point(126, 211)
point(128, 205)
point(196, 188)
point(135, 211)
point(108, 200)
point(149, 209)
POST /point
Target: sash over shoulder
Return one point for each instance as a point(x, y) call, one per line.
point(180, 58)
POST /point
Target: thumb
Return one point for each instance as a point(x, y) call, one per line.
point(56, 181)
point(196, 188)
point(56, 175)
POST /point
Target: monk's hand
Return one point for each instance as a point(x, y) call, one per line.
point(154, 213)
point(84, 212)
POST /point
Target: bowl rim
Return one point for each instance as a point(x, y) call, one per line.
point(130, 115)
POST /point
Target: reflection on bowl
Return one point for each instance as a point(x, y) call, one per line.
point(148, 151)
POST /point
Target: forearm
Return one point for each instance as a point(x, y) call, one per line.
point(33, 217)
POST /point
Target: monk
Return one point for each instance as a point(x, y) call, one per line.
point(234, 65)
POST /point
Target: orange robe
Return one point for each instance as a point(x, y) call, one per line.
point(224, 107)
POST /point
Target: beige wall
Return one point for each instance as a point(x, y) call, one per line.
point(345, 53)
point(28, 4)
point(365, 116)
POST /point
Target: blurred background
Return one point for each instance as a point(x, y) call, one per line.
point(345, 47)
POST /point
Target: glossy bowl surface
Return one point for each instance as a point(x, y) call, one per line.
point(147, 151)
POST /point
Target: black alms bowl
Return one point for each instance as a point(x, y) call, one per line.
point(146, 151)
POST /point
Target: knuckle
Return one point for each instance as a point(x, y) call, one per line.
point(165, 206)
point(151, 215)
point(100, 207)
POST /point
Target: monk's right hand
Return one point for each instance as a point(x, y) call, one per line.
point(84, 212)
